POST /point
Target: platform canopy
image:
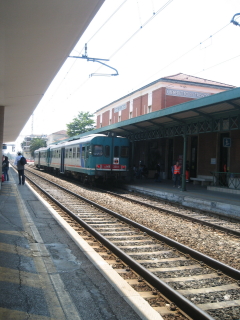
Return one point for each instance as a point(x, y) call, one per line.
point(215, 113)
point(36, 38)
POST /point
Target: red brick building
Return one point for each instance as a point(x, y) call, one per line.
point(158, 95)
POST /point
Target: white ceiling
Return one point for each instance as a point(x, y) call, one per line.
point(36, 37)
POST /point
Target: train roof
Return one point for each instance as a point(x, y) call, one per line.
point(80, 140)
point(42, 149)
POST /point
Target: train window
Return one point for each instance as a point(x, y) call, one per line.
point(124, 151)
point(116, 152)
point(74, 152)
point(66, 154)
point(97, 150)
point(59, 154)
point(107, 151)
point(70, 153)
point(78, 152)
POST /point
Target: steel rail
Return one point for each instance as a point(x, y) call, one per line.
point(209, 224)
point(231, 272)
point(184, 304)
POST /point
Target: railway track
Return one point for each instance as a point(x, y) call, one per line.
point(193, 215)
point(202, 287)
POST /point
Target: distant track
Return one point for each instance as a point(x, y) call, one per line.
point(184, 213)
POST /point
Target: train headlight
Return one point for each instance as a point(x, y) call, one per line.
point(98, 166)
point(123, 167)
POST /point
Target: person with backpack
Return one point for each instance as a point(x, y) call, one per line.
point(20, 161)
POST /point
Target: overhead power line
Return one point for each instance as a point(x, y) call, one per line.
point(144, 24)
point(218, 64)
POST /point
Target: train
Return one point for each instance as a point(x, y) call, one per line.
point(90, 158)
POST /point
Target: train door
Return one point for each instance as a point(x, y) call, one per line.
point(62, 160)
point(39, 157)
point(48, 157)
point(224, 153)
point(193, 158)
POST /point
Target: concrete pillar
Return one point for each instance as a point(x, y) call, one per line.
point(1, 139)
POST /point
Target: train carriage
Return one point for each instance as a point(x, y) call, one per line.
point(41, 158)
point(89, 158)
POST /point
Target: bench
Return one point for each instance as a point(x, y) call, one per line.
point(203, 180)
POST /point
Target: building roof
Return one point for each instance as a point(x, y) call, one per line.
point(196, 80)
point(182, 79)
point(63, 132)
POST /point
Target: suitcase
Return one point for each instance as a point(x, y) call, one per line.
point(3, 178)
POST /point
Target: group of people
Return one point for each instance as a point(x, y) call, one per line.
point(141, 172)
point(20, 167)
point(176, 173)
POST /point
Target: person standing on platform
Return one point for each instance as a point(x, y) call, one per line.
point(20, 168)
point(158, 173)
point(177, 174)
point(5, 168)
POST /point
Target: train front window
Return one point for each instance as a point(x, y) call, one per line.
point(97, 150)
point(116, 152)
point(124, 152)
point(107, 151)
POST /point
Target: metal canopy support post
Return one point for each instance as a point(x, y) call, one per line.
point(184, 162)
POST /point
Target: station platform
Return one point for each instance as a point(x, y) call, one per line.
point(195, 196)
point(47, 271)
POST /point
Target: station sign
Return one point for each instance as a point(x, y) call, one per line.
point(227, 142)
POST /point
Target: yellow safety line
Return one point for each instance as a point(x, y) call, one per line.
point(15, 276)
point(8, 314)
point(13, 233)
point(15, 249)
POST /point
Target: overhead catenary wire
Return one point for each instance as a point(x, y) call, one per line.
point(184, 54)
point(215, 65)
point(98, 30)
point(154, 14)
point(136, 32)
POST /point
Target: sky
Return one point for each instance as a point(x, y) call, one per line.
point(144, 40)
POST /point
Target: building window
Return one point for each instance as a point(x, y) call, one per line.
point(130, 115)
point(149, 109)
point(110, 121)
point(119, 118)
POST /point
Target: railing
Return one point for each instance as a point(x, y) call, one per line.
point(226, 180)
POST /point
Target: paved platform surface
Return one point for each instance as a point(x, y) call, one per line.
point(196, 196)
point(47, 271)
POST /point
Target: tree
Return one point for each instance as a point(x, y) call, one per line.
point(82, 123)
point(35, 144)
